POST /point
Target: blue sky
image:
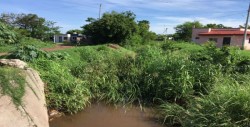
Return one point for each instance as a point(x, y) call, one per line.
point(71, 14)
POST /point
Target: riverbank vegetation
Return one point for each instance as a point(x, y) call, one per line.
point(190, 84)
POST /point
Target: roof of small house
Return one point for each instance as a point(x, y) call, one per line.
point(225, 32)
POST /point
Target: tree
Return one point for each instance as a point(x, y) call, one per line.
point(143, 31)
point(213, 25)
point(112, 27)
point(143, 27)
point(74, 31)
point(31, 25)
point(184, 31)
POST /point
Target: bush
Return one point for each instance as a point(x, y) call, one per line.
point(7, 35)
point(134, 40)
point(30, 53)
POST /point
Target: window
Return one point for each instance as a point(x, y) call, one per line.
point(65, 38)
point(74, 38)
point(213, 39)
point(197, 37)
point(226, 41)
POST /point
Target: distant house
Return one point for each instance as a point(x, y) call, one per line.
point(62, 38)
point(222, 37)
point(69, 38)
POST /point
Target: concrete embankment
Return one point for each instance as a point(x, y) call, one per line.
point(33, 111)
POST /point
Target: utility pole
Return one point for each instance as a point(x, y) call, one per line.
point(246, 26)
point(100, 10)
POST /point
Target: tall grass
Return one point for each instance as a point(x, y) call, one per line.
point(194, 85)
point(226, 104)
point(64, 92)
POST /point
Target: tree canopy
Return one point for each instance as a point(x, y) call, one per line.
point(184, 31)
point(213, 25)
point(112, 27)
point(117, 27)
point(74, 31)
point(31, 25)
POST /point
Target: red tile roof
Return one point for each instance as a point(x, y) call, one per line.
point(225, 32)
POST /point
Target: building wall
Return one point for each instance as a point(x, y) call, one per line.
point(236, 40)
point(195, 33)
point(63, 36)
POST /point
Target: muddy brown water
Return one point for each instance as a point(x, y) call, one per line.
point(101, 115)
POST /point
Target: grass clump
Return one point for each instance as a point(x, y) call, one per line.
point(12, 83)
point(226, 106)
point(227, 101)
point(64, 92)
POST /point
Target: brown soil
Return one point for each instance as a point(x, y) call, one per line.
point(57, 47)
point(114, 46)
point(3, 53)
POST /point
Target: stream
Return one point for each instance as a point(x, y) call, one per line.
point(101, 115)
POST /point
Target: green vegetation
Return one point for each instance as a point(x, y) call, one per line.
point(192, 85)
point(112, 27)
point(29, 53)
point(30, 25)
point(10, 39)
point(24, 42)
point(184, 31)
point(12, 83)
point(118, 28)
point(7, 35)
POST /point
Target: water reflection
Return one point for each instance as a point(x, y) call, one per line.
point(100, 115)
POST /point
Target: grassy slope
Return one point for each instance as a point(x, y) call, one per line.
point(27, 41)
point(158, 72)
point(61, 75)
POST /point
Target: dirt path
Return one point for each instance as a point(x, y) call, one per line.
point(55, 48)
point(3, 53)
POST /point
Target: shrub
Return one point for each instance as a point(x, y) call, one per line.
point(7, 35)
point(134, 40)
point(30, 53)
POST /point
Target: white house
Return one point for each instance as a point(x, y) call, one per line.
point(62, 38)
point(69, 38)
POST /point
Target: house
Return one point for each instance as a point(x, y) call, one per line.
point(62, 38)
point(69, 38)
point(222, 37)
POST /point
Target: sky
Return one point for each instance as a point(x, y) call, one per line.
point(163, 15)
